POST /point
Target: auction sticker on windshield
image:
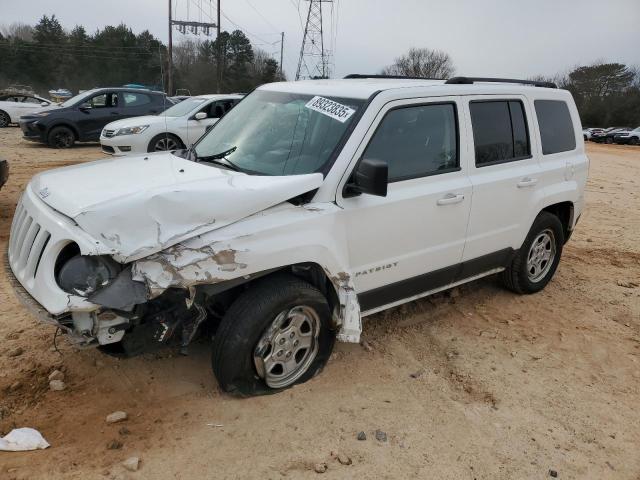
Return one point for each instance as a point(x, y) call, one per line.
point(332, 109)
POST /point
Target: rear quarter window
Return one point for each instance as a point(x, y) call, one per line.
point(556, 128)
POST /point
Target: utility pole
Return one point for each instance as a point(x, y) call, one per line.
point(170, 55)
point(314, 59)
point(192, 27)
point(218, 56)
point(281, 55)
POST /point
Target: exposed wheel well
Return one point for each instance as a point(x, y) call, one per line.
point(564, 212)
point(310, 272)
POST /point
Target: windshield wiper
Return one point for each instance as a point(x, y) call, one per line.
point(221, 156)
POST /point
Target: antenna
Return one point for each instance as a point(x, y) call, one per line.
point(314, 58)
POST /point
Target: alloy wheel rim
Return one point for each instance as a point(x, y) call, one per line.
point(63, 140)
point(288, 346)
point(165, 144)
point(541, 255)
point(4, 121)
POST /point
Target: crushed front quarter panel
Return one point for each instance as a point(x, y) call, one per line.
point(278, 237)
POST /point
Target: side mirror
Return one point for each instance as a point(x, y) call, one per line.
point(85, 106)
point(200, 116)
point(44, 104)
point(370, 176)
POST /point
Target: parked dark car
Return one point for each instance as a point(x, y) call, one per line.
point(607, 136)
point(631, 137)
point(82, 117)
point(4, 172)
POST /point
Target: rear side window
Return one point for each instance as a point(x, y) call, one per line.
point(417, 141)
point(135, 99)
point(499, 131)
point(556, 127)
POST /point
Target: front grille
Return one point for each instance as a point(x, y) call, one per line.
point(108, 133)
point(27, 243)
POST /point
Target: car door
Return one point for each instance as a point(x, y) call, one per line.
point(505, 175)
point(412, 240)
point(24, 105)
point(197, 128)
point(11, 105)
point(96, 112)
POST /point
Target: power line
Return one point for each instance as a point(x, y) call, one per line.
point(244, 29)
point(275, 29)
point(56, 50)
point(64, 45)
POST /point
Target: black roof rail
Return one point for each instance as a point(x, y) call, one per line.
point(471, 80)
point(352, 76)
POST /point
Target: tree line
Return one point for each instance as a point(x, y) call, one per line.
point(606, 94)
point(46, 56)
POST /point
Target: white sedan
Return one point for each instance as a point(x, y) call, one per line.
point(177, 127)
point(14, 105)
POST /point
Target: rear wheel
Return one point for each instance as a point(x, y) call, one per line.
point(608, 140)
point(164, 142)
point(634, 141)
point(5, 120)
point(61, 137)
point(275, 335)
point(537, 260)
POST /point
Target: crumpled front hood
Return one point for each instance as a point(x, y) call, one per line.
point(137, 206)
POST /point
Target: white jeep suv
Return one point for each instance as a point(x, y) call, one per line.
point(308, 207)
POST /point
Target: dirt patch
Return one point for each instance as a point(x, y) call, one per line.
point(480, 383)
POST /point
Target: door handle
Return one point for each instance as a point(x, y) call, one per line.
point(451, 198)
point(527, 182)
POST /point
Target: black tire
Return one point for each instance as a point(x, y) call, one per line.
point(168, 139)
point(608, 140)
point(5, 119)
point(634, 141)
point(61, 137)
point(250, 317)
point(517, 276)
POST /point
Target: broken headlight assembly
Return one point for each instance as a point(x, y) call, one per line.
point(132, 130)
point(85, 274)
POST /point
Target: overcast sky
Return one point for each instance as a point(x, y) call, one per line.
point(509, 38)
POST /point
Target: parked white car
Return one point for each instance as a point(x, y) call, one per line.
point(175, 128)
point(14, 105)
point(309, 206)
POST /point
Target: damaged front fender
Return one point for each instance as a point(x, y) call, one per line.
point(275, 239)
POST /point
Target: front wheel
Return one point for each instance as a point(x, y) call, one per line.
point(537, 260)
point(634, 141)
point(5, 120)
point(275, 335)
point(61, 137)
point(164, 142)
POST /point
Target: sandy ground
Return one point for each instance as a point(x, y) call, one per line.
point(483, 384)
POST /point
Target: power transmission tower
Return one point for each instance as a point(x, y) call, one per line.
point(314, 58)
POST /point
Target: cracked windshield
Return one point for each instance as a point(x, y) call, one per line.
point(277, 133)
